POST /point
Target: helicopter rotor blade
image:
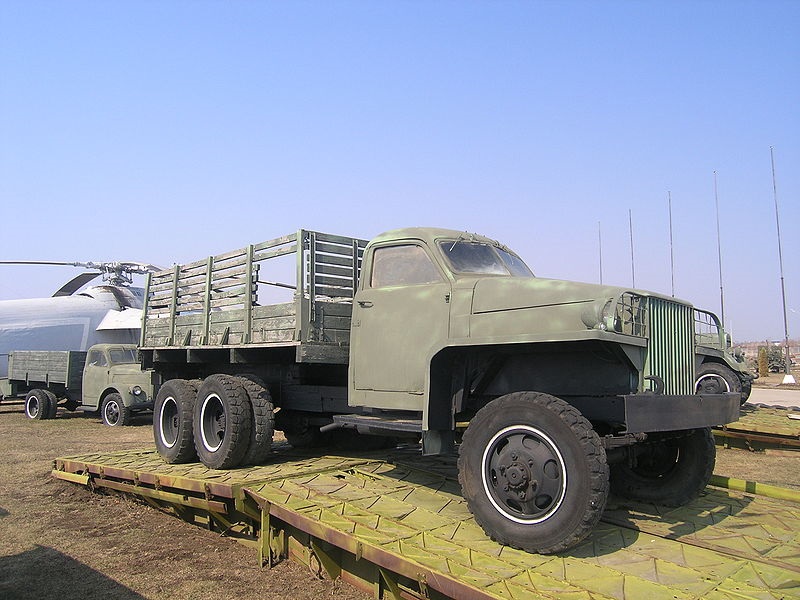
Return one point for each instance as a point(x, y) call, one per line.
point(42, 262)
point(74, 284)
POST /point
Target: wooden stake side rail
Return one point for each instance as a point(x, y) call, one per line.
point(395, 525)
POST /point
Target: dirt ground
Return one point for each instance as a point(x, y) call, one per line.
point(59, 541)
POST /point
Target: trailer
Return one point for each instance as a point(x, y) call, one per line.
point(396, 525)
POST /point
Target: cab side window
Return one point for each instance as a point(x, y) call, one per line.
point(97, 359)
point(401, 266)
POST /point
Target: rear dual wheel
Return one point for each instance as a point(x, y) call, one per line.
point(172, 421)
point(223, 421)
point(41, 404)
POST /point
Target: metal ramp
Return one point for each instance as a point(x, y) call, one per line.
point(762, 427)
point(395, 525)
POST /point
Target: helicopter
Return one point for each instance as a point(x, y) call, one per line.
point(76, 317)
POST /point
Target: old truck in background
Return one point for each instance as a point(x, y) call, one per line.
point(107, 377)
point(552, 392)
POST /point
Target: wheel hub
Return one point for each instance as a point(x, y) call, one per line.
point(524, 474)
point(517, 476)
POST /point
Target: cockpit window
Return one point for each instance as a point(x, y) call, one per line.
point(480, 258)
point(122, 356)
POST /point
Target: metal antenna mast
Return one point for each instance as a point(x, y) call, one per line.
point(719, 256)
point(600, 245)
point(788, 366)
point(671, 254)
point(633, 268)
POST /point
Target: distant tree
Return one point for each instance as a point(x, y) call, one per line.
point(763, 361)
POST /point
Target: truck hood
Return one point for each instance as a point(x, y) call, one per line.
point(546, 308)
point(518, 293)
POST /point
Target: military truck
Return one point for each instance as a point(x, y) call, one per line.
point(552, 392)
point(107, 377)
point(719, 368)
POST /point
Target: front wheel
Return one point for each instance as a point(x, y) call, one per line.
point(670, 469)
point(716, 378)
point(533, 472)
point(114, 412)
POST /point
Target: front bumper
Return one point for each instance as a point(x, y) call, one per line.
point(643, 413)
point(647, 413)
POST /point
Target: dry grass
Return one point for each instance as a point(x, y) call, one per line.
point(59, 541)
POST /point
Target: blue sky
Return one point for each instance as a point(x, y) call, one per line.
point(163, 132)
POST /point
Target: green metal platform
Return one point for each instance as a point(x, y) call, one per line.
point(396, 525)
point(761, 428)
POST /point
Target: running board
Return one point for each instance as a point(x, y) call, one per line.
point(375, 425)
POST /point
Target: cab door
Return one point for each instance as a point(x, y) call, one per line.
point(95, 377)
point(401, 318)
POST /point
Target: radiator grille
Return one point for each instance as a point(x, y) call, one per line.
point(670, 354)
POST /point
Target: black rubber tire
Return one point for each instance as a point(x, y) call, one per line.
point(222, 422)
point(173, 414)
point(716, 378)
point(533, 472)
point(37, 405)
point(263, 420)
point(52, 409)
point(113, 411)
point(672, 471)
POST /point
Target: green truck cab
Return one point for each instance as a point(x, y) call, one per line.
point(107, 378)
point(553, 393)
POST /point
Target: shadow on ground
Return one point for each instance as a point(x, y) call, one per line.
point(46, 574)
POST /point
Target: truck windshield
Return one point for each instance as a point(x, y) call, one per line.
point(476, 257)
point(122, 356)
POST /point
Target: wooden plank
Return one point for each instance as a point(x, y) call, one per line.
point(274, 324)
point(334, 249)
point(335, 308)
point(323, 353)
point(292, 237)
point(227, 316)
point(272, 336)
point(261, 256)
point(336, 271)
point(330, 259)
point(334, 281)
point(231, 255)
point(334, 292)
point(336, 323)
point(339, 239)
point(274, 310)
